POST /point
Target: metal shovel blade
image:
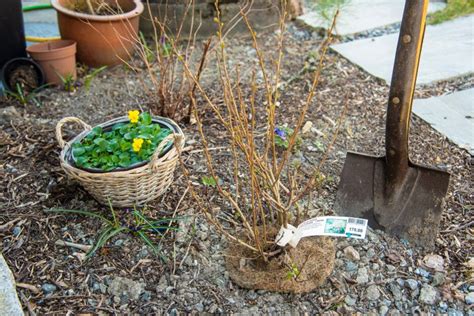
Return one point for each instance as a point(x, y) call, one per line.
point(411, 211)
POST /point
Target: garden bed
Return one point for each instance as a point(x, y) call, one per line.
point(378, 274)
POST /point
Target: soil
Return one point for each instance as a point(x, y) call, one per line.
point(314, 255)
point(194, 279)
point(25, 76)
point(99, 7)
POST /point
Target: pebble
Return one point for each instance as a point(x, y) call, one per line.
point(412, 284)
point(469, 298)
point(396, 291)
point(350, 301)
point(199, 307)
point(362, 276)
point(373, 292)
point(422, 272)
point(351, 266)
point(438, 279)
point(370, 253)
point(428, 294)
point(351, 253)
point(48, 288)
point(16, 231)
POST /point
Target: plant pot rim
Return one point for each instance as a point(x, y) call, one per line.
point(155, 119)
point(100, 18)
point(67, 47)
point(24, 60)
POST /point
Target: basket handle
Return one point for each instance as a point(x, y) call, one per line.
point(70, 119)
point(177, 138)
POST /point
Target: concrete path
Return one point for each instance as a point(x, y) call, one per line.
point(448, 51)
point(452, 115)
point(361, 15)
point(9, 302)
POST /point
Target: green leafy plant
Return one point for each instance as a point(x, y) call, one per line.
point(148, 52)
point(23, 96)
point(89, 77)
point(133, 222)
point(453, 9)
point(293, 272)
point(69, 83)
point(124, 145)
point(209, 181)
point(283, 135)
point(326, 9)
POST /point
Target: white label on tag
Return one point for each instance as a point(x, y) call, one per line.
point(285, 235)
point(337, 226)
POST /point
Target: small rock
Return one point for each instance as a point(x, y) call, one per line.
point(454, 312)
point(435, 262)
point(428, 294)
point(199, 307)
point(383, 310)
point(469, 299)
point(251, 295)
point(443, 306)
point(119, 242)
point(350, 301)
point(351, 253)
point(394, 312)
point(370, 253)
point(8, 114)
point(351, 266)
point(422, 272)
point(307, 127)
point(16, 231)
point(146, 296)
point(438, 279)
point(390, 268)
point(373, 292)
point(396, 291)
point(362, 276)
point(126, 287)
point(162, 284)
point(412, 284)
point(48, 288)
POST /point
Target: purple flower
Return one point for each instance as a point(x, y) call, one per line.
point(163, 40)
point(280, 133)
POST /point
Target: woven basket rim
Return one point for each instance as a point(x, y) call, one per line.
point(177, 131)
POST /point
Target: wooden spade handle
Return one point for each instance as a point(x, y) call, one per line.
point(402, 88)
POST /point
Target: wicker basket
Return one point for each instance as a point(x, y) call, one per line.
point(130, 187)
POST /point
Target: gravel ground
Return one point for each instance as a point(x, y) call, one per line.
point(378, 275)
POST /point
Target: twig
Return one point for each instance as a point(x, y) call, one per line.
point(84, 248)
point(30, 287)
point(198, 77)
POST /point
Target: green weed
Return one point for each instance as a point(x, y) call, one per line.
point(134, 222)
point(453, 9)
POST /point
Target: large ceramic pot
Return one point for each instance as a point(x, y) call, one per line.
point(101, 39)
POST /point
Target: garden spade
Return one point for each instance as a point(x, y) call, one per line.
point(393, 193)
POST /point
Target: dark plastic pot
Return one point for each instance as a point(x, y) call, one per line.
point(22, 70)
point(163, 122)
point(12, 34)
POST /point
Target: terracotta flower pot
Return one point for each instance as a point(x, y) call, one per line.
point(101, 39)
point(56, 58)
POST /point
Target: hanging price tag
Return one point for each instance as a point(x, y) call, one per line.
point(336, 226)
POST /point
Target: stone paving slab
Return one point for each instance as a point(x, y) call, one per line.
point(452, 115)
point(361, 15)
point(9, 302)
point(448, 51)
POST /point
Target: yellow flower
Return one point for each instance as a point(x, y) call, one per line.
point(137, 144)
point(133, 116)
